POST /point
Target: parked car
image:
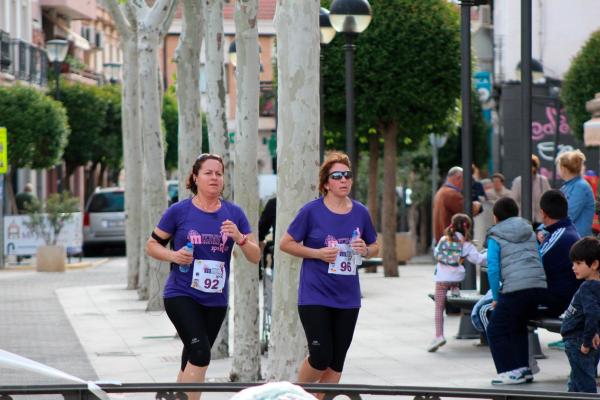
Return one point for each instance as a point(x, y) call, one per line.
point(104, 219)
point(173, 191)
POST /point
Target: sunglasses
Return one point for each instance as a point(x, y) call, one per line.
point(206, 156)
point(338, 175)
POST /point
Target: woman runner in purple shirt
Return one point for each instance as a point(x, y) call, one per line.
point(196, 290)
point(331, 234)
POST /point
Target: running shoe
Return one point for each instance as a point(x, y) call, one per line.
point(509, 378)
point(436, 344)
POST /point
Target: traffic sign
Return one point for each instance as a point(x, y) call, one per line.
point(3, 151)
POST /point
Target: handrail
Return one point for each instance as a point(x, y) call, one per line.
point(331, 390)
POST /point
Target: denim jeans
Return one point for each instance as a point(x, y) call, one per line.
point(583, 366)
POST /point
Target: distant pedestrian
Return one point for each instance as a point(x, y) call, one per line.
point(498, 190)
point(539, 185)
point(449, 201)
point(331, 234)
point(196, 291)
point(25, 198)
point(449, 254)
point(579, 328)
point(578, 192)
point(518, 284)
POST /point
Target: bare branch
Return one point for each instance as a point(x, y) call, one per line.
point(160, 12)
point(123, 26)
point(168, 20)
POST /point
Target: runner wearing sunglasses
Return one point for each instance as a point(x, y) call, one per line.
point(196, 290)
point(328, 233)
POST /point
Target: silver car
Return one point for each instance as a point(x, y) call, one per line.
point(104, 219)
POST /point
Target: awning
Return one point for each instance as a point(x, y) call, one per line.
point(78, 40)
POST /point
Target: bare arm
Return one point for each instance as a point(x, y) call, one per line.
point(159, 252)
point(290, 246)
point(248, 245)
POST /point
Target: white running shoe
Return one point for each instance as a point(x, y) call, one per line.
point(436, 344)
point(509, 378)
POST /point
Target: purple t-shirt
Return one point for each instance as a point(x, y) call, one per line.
point(186, 222)
point(316, 226)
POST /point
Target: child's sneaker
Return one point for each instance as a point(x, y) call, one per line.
point(514, 377)
point(455, 292)
point(436, 344)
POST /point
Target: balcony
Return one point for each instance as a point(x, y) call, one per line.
point(22, 60)
point(74, 9)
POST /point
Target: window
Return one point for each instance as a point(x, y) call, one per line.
point(107, 202)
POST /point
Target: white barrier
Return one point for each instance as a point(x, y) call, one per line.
point(20, 241)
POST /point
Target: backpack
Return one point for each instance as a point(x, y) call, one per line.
point(449, 252)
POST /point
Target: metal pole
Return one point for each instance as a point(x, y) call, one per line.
point(434, 180)
point(526, 84)
point(556, 139)
point(465, 94)
point(57, 73)
point(349, 48)
point(322, 110)
point(2, 255)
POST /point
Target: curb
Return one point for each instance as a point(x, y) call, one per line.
point(71, 266)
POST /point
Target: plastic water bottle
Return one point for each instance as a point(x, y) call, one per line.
point(357, 258)
point(189, 247)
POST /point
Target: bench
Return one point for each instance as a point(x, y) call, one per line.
point(371, 264)
point(465, 302)
point(550, 324)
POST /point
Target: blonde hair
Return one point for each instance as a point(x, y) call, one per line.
point(572, 161)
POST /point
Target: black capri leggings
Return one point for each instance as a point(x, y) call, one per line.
point(197, 326)
point(329, 333)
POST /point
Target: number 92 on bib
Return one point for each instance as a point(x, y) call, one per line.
point(209, 276)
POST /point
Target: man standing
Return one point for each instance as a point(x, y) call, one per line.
point(539, 185)
point(498, 189)
point(449, 201)
point(25, 198)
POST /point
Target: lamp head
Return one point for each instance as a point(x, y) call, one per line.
point(350, 16)
point(57, 49)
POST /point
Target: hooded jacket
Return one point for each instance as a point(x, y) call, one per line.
point(520, 266)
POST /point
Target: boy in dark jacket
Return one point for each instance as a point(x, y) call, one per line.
point(561, 234)
point(580, 324)
point(518, 283)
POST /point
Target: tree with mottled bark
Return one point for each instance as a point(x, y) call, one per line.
point(216, 120)
point(215, 88)
point(298, 162)
point(132, 137)
point(187, 58)
point(246, 351)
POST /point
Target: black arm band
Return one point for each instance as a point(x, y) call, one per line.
point(161, 241)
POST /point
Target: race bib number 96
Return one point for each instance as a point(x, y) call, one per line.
point(344, 264)
point(209, 276)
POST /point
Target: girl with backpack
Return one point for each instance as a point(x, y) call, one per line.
point(453, 247)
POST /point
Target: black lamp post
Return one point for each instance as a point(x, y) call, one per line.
point(56, 50)
point(327, 35)
point(350, 17)
point(112, 71)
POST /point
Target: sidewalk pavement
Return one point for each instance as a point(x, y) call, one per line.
point(124, 343)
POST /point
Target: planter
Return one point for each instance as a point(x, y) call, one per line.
point(405, 246)
point(50, 259)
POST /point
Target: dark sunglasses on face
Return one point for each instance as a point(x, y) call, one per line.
point(338, 175)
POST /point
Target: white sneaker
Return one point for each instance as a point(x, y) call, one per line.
point(509, 378)
point(436, 344)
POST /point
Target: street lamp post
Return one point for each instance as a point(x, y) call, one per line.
point(56, 50)
point(112, 70)
point(327, 35)
point(350, 17)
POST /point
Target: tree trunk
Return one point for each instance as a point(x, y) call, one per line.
point(298, 163)
point(216, 118)
point(154, 175)
point(10, 191)
point(388, 223)
point(91, 181)
point(187, 58)
point(246, 351)
point(372, 201)
point(126, 23)
point(216, 121)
